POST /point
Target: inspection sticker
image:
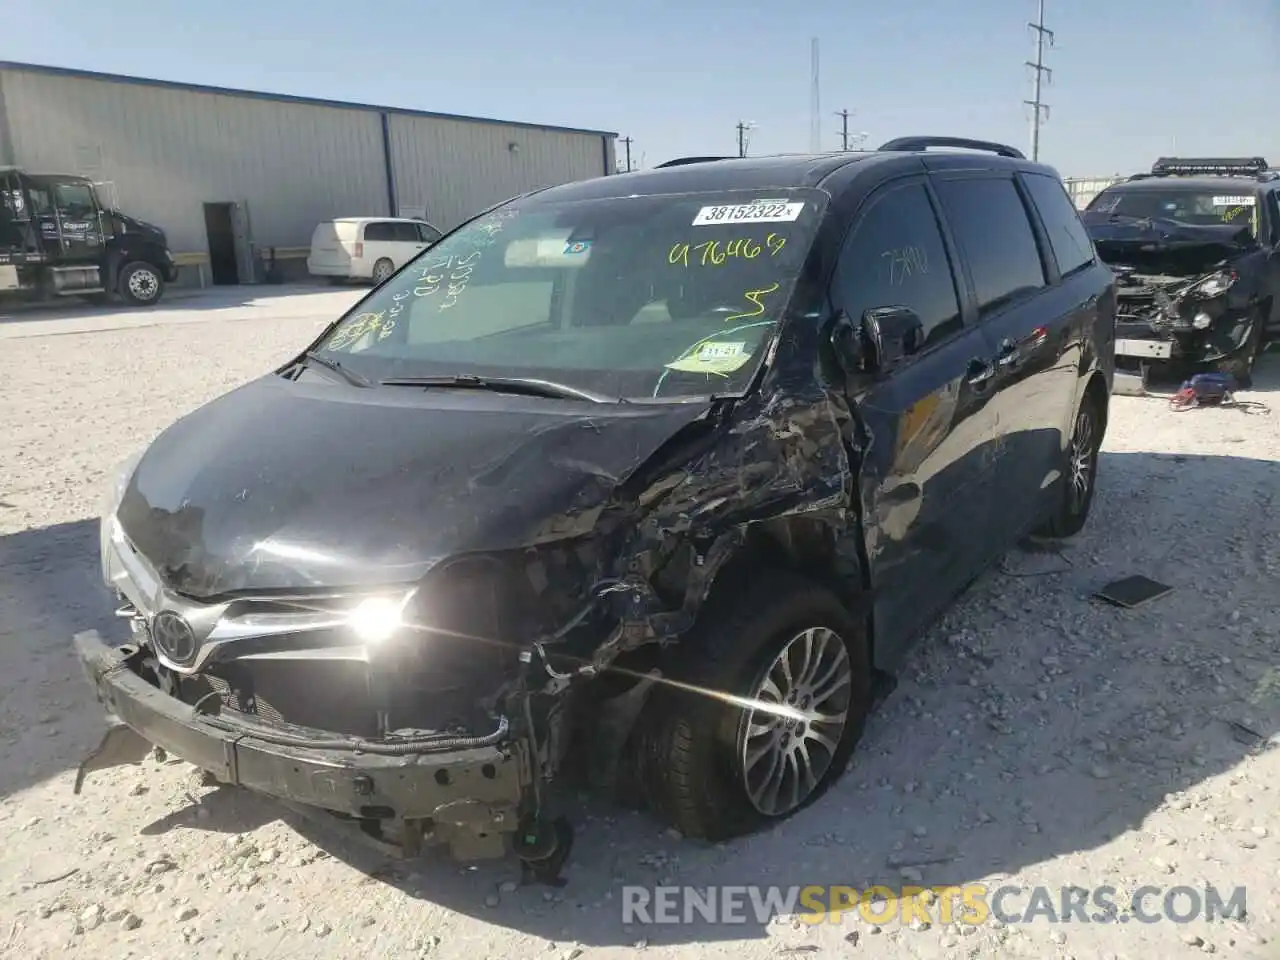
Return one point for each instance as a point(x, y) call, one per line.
point(718, 358)
point(759, 211)
point(1235, 201)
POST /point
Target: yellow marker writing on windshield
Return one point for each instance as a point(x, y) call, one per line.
point(753, 297)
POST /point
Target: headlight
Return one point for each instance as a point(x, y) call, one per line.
point(376, 619)
point(118, 482)
point(1215, 285)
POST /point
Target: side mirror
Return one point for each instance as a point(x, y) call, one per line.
point(892, 334)
point(847, 344)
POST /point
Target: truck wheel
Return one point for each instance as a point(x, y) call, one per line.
point(715, 769)
point(382, 270)
point(1081, 475)
point(1239, 366)
point(141, 284)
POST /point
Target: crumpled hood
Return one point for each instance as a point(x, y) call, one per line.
point(1164, 245)
point(298, 485)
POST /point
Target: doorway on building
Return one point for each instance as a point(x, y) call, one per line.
point(223, 263)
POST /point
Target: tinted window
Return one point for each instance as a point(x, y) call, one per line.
point(379, 231)
point(896, 257)
point(1067, 236)
point(406, 232)
point(990, 224)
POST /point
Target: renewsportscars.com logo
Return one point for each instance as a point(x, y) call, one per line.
point(972, 904)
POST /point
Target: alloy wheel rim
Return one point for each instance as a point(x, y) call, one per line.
point(381, 273)
point(1082, 455)
point(785, 757)
point(143, 285)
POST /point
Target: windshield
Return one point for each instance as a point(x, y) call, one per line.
point(653, 296)
point(1199, 207)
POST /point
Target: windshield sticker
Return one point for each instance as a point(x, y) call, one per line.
point(359, 327)
point(717, 358)
point(1235, 201)
point(756, 299)
point(577, 247)
point(761, 211)
point(716, 252)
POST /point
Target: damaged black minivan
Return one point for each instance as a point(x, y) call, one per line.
point(649, 479)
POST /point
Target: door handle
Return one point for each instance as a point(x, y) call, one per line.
point(979, 372)
point(1008, 355)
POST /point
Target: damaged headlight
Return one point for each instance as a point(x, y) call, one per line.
point(1214, 285)
point(112, 495)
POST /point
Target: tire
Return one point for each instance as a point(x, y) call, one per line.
point(140, 284)
point(383, 269)
point(1239, 366)
point(692, 747)
point(1082, 455)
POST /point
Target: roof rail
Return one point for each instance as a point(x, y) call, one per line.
point(912, 144)
point(681, 161)
point(1209, 166)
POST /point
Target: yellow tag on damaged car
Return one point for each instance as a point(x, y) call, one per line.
point(718, 358)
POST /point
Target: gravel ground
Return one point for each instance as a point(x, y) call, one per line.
point(1037, 737)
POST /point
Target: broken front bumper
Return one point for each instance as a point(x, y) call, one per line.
point(469, 799)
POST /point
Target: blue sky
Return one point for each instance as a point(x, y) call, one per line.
point(677, 75)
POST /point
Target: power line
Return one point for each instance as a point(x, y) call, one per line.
point(1043, 75)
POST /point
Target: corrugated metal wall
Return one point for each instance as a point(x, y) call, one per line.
point(1084, 189)
point(166, 151)
point(456, 168)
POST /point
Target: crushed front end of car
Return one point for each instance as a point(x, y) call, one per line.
point(1186, 295)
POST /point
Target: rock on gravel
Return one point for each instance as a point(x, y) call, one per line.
point(1037, 737)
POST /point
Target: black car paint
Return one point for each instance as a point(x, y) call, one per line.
point(389, 483)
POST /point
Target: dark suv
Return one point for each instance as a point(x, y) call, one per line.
point(649, 479)
point(1195, 245)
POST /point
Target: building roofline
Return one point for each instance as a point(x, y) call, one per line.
point(284, 97)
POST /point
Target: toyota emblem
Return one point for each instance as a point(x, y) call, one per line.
point(173, 637)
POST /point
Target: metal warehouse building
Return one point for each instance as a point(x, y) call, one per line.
point(213, 166)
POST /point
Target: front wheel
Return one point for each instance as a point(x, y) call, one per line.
point(774, 692)
point(1081, 474)
point(141, 284)
point(1239, 366)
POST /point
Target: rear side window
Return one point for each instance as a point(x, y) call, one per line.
point(990, 223)
point(405, 233)
point(379, 231)
point(1071, 245)
point(895, 257)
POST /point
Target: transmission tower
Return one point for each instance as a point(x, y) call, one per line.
point(1043, 76)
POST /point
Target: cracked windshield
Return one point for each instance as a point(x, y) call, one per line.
point(640, 297)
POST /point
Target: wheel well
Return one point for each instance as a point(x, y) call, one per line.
point(1096, 393)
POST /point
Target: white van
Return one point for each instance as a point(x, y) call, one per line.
point(367, 248)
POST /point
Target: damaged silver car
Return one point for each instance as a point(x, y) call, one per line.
point(648, 480)
point(1196, 248)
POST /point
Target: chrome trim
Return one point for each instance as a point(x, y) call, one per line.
point(216, 625)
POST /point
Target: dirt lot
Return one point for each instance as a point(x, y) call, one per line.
point(1037, 738)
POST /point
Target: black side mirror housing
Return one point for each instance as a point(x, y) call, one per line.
point(892, 335)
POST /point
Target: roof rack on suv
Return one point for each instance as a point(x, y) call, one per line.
point(1209, 166)
point(912, 144)
point(681, 161)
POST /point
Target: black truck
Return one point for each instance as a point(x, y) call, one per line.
point(1195, 245)
point(58, 240)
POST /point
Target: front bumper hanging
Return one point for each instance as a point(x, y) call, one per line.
point(468, 799)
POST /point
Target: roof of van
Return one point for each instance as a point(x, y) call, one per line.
point(373, 220)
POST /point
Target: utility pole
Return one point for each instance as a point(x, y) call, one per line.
point(815, 100)
point(844, 129)
point(626, 142)
point(743, 127)
point(1039, 109)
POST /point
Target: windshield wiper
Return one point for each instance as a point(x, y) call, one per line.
point(525, 385)
point(350, 376)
